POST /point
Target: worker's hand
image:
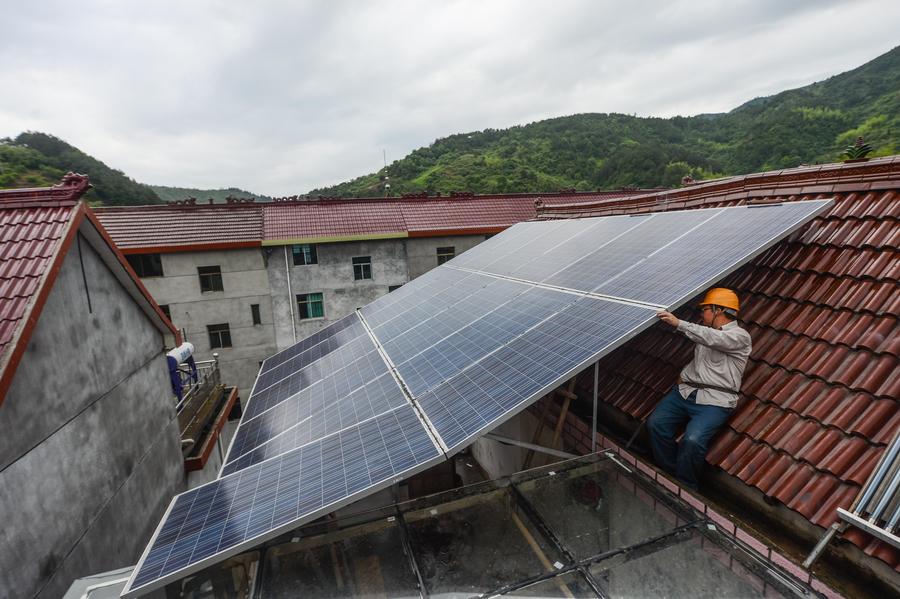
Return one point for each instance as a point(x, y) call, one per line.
point(667, 317)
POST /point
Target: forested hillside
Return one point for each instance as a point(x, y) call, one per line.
point(219, 195)
point(606, 151)
point(39, 160)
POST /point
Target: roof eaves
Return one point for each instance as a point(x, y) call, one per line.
point(189, 247)
point(336, 238)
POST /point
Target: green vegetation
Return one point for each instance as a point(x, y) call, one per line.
point(219, 195)
point(607, 151)
point(39, 160)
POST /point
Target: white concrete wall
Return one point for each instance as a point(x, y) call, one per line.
point(245, 282)
point(422, 251)
point(90, 446)
point(259, 276)
point(333, 277)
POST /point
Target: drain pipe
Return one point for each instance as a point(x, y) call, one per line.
point(287, 274)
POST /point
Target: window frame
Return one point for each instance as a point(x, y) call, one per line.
point(141, 264)
point(208, 279)
point(219, 329)
point(255, 314)
point(303, 305)
point(364, 268)
point(448, 253)
point(313, 253)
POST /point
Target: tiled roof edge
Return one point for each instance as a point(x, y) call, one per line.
point(828, 178)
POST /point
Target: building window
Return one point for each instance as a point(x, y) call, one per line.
point(219, 335)
point(210, 278)
point(393, 287)
point(445, 254)
point(254, 312)
point(146, 265)
point(305, 254)
point(165, 310)
point(362, 268)
point(310, 305)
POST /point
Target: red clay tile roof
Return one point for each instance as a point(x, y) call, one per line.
point(33, 223)
point(37, 227)
point(325, 219)
point(188, 226)
point(475, 213)
point(180, 227)
point(821, 392)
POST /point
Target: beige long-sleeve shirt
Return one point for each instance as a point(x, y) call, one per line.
point(720, 356)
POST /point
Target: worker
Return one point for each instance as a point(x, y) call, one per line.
point(707, 388)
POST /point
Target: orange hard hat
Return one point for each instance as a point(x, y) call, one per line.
point(719, 296)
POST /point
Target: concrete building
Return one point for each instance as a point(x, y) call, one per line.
point(205, 266)
point(245, 280)
point(90, 441)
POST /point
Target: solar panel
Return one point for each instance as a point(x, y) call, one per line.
point(421, 372)
point(686, 265)
point(616, 253)
point(502, 382)
point(242, 509)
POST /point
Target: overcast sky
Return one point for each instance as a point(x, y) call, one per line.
point(282, 97)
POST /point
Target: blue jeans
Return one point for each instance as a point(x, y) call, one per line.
point(684, 460)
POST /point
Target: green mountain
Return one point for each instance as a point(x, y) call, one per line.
point(219, 195)
point(607, 151)
point(38, 160)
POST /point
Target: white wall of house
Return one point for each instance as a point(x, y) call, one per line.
point(90, 452)
point(422, 252)
point(333, 277)
point(244, 283)
point(268, 277)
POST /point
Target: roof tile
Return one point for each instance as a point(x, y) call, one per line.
point(820, 395)
point(32, 225)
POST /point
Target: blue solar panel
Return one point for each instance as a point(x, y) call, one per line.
point(508, 246)
point(261, 501)
point(709, 252)
point(615, 254)
point(336, 329)
point(339, 401)
point(499, 384)
point(328, 420)
point(264, 397)
point(438, 357)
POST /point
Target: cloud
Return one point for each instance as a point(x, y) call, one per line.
point(282, 97)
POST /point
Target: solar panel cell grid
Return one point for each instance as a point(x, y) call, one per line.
point(356, 392)
point(262, 400)
point(507, 245)
point(611, 258)
point(232, 511)
point(488, 327)
point(719, 244)
point(314, 339)
point(308, 356)
point(580, 242)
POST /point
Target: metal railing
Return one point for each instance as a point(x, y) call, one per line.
point(877, 508)
point(207, 375)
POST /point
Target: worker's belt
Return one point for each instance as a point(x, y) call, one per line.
point(705, 386)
